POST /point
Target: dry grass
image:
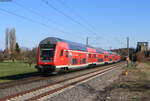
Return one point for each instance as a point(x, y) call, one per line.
point(132, 87)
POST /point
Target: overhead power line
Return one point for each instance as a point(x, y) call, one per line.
point(75, 13)
point(34, 12)
point(23, 17)
point(67, 16)
point(84, 20)
point(31, 20)
point(42, 16)
point(89, 28)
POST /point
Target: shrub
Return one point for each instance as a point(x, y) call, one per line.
point(1, 57)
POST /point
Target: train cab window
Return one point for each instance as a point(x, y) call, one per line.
point(61, 53)
point(46, 54)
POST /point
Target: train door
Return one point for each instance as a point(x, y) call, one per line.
point(70, 58)
point(66, 57)
point(63, 57)
point(87, 58)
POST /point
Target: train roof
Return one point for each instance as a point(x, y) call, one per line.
point(50, 40)
point(100, 50)
point(111, 52)
point(72, 45)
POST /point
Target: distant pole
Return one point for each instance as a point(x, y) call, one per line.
point(128, 53)
point(110, 48)
point(87, 41)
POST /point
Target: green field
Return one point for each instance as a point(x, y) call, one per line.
point(148, 63)
point(10, 68)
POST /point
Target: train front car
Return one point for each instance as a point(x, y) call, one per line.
point(56, 55)
point(48, 54)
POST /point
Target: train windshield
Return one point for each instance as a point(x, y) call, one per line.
point(47, 52)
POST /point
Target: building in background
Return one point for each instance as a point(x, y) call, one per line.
point(142, 46)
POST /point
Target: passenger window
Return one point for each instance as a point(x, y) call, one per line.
point(106, 56)
point(83, 60)
point(61, 53)
point(66, 53)
point(94, 56)
point(89, 55)
point(74, 61)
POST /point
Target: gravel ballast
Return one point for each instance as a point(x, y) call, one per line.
point(86, 91)
point(20, 88)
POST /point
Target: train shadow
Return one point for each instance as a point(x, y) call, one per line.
point(20, 76)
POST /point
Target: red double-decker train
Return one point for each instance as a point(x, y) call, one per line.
point(55, 54)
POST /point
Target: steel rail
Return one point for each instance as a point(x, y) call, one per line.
point(35, 77)
point(52, 84)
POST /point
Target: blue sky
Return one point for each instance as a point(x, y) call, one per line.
point(107, 23)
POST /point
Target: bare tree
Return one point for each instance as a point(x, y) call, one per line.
point(12, 40)
point(7, 40)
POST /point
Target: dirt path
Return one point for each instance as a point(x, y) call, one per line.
point(135, 86)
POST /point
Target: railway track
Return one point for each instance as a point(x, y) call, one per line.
point(33, 78)
point(48, 90)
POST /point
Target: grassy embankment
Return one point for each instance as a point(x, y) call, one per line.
point(8, 69)
point(141, 70)
point(134, 86)
point(137, 83)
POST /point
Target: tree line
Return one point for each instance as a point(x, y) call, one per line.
point(13, 52)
